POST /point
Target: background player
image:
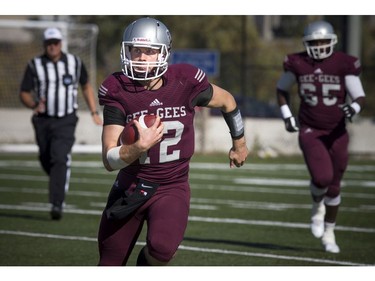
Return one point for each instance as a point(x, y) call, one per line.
point(324, 78)
point(158, 163)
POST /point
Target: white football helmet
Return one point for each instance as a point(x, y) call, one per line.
point(319, 30)
point(146, 33)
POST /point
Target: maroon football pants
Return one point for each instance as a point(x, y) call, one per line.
point(166, 214)
point(326, 156)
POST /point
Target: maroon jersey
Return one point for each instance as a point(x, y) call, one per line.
point(167, 161)
point(321, 87)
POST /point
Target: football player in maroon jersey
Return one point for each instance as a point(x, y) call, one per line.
point(152, 182)
point(324, 78)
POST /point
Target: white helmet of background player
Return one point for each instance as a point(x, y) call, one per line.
point(319, 30)
point(145, 33)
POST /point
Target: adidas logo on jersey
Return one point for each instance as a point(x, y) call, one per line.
point(156, 102)
point(318, 71)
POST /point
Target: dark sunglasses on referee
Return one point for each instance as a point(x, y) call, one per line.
point(52, 42)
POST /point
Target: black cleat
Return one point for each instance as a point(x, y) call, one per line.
point(56, 212)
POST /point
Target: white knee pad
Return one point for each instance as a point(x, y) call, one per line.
point(332, 201)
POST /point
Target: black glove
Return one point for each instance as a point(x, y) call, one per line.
point(291, 124)
point(349, 111)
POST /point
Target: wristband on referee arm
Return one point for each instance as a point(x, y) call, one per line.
point(235, 123)
point(94, 113)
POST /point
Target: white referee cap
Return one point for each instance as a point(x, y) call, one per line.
point(52, 33)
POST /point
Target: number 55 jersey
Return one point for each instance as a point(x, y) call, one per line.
point(321, 87)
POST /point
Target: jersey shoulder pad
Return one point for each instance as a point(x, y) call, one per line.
point(292, 60)
point(109, 85)
point(190, 73)
point(351, 65)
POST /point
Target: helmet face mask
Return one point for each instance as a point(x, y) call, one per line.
point(319, 31)
point(145, 33)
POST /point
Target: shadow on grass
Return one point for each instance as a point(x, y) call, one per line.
point(28, 217)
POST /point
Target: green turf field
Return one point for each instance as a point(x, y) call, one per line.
point(257, 215)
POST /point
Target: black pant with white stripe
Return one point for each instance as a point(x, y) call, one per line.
point(55, 138)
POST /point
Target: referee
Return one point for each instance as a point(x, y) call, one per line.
point(50, 87)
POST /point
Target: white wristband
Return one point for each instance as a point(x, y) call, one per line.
point(114, 160)
point(356, 107)
point(285, 111)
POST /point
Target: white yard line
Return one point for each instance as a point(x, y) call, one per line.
point(73, 210)
point(190, 248)
point(238, 184)
point(208, 203)
point(195, 165)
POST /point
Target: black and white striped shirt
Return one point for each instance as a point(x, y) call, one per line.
point(56, 82)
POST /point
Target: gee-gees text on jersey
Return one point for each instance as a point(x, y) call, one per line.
point(322, 78)
point(163, 112)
